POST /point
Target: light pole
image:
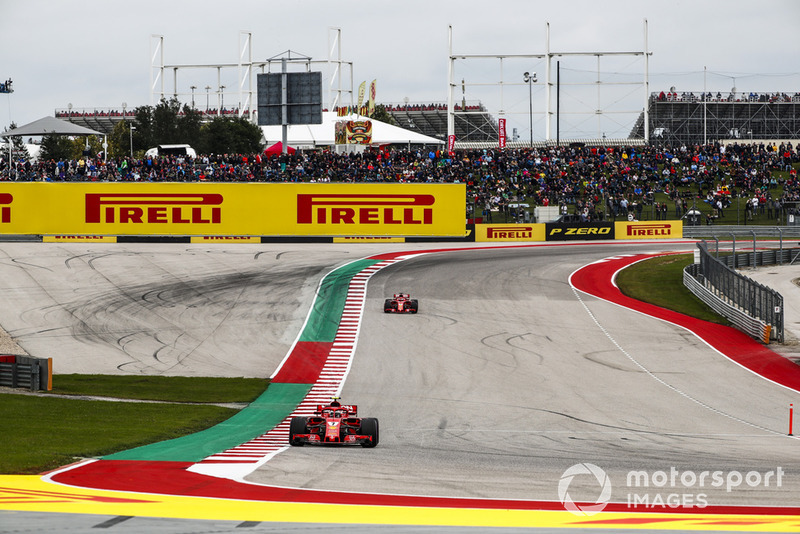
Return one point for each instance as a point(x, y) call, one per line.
point(221, 98)
point(132, 128)
point(208, 88)
point(530, 79)
point(193, 87)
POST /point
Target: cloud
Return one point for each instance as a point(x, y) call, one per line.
point(96, 53)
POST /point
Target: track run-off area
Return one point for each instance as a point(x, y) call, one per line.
point(527, 392)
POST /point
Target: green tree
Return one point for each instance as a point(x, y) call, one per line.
point(143, 137)
point(56, 147)
point(18, 148)
point(165, 122)
point(119, 141)
point(382, 115)
point(230, 135)
point(190, 124)
point(168, 123)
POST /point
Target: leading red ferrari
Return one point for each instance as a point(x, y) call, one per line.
point(334, 424)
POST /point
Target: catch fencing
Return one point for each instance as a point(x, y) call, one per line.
point(752, 307)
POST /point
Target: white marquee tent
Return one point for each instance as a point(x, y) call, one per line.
point(48, 126)
point(317, 135)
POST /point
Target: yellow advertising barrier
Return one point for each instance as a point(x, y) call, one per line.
point(79, 239)
point(369, 239)
point(212, 209)
point(497, 233)
point(227, 239)
point(578, 231)
point(649, 230)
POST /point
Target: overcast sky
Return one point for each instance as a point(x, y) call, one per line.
point(96, 53)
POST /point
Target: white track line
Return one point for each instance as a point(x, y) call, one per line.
point(237, 462)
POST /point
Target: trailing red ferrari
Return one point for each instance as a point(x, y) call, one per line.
point(401, 303)
point(334, 424)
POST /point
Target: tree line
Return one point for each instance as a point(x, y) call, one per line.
point(167, 123)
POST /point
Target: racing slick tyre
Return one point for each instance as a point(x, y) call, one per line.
point(297, 426)
point(413, 306)
point(369, 427)
point(387, 305)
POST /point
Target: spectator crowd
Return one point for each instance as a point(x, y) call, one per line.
point(592, 180)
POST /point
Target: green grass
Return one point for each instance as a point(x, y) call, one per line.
point(659, 281)
point(42, 433)
point(161, 388)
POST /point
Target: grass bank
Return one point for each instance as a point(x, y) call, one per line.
point(659, 281)
point(43, 432)
point(162, 388)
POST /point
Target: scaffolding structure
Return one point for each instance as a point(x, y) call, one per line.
point(244, 93)
point(549, 81)
point(473, 122)
point(698, 120)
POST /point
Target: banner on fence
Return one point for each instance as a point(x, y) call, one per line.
point(509, 232)
point(211, 209)
point(649, 230)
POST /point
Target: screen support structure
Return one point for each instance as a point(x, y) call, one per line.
point(548, 57)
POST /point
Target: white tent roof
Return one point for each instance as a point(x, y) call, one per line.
point(50, 126)
point(313, 135)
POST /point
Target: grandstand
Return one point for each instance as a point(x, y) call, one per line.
point(675, 119)
point(104, 119)
point(473, 123)
point(692, 118)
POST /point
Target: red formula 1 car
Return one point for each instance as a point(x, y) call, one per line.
point(401, 303)
point(335, 423)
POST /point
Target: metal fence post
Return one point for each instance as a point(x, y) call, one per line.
point(35, 377)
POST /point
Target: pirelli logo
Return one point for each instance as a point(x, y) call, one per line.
point(79, 238)
point(369, 239)
point(647, 230)
point(5, 211)
point(509, 232)
point(128, 208)
point(225, 239)
point(365, 209)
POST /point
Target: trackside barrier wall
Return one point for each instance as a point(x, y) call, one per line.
point(725, 231)
point(502, 232)
point(754, 308)
point(749, 325)
point(26, 372)
point(214, 209)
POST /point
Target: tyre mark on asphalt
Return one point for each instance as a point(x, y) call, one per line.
point(23, 264)
point(660, 380)
point(522, 337)
point(510, 353)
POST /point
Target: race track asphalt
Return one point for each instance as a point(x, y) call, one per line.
point(505, 379)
